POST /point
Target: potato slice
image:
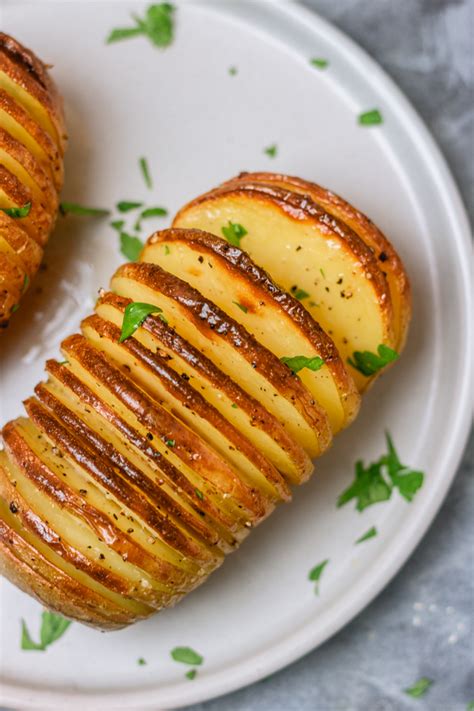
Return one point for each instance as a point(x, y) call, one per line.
point(26, 79)
point(389, 261)
point(310, 253)
point(150, 371)
point(69, 535)
point(19, 124)
point(158, 545)
point(24, 565)
point(178, 482)
point(23, 165)
point(231, 348)
point(39, 221)
point(25, 251)
point(12, 279)
point(40, 534)
point(242, 502)
point(146, 573)
point(227, 276)
point(235, 405)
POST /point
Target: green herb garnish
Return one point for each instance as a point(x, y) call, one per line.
point(170, 442)
point(72, 208)
point(233, 71)
point(376, 482)
point(199, 494)
point(26, 283)
point(143, 163)
point(134, 315)
point(157, 25)
point(300, 294)
point(167, 250)
point(371, 533)
point(233, 232)
point(297, 363)
point(315, 574)
point(271, 151)
point(369, 363)
point(419, 688)
point(52, 628)
point(191, 674)
point(241, 306)
point(17, 212)
point(150, 212)
point(130, 246)
point(127, 205)
point(319, 62)
point(235, 406)
point(117, 224)
point(370, 118)
point(141, 662)
point(186, 655)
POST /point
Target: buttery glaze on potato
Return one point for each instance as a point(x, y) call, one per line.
point(32, 145)
point(143, 462)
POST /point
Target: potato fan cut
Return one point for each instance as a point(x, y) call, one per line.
point(144, 459)
point(32, 145)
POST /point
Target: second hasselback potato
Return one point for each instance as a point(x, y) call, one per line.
point(32, 144)
point(194, 397)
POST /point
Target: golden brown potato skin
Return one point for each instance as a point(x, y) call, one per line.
point(32, 144)
point(143, 460)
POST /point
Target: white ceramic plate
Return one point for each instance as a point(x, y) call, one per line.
point(198, 125)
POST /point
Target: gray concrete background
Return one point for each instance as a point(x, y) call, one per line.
point(421, 625)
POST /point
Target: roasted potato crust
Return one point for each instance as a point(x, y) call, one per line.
point(32, 144)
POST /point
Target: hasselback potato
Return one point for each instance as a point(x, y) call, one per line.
point(32, 144)
point(199, 391)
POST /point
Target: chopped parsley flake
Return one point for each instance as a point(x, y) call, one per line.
point(371, 533)
point(297, 363)
point(17, 212)
point(319, 62)
point(241, 306)
point(143, 163)
point(376, 482)
point(315, 574)
point(141, 662)
point(299, 294)
point(233, 71)
point(271, 151)
point(369, 363)
point(419, 688)
point(72, 208)
point(52, 628)
point(134, 315)
point(233, 232)
point(199, 494)
point(127, 205)
point(370, 118)
point(191, 674)
point(130, 246)
point(170, 443)
point(117, 225)
point(157, 25)
point(186, 655)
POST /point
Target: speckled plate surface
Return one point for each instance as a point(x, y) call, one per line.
point(198, 124)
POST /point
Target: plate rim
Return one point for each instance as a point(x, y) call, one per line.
point(295, 646)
